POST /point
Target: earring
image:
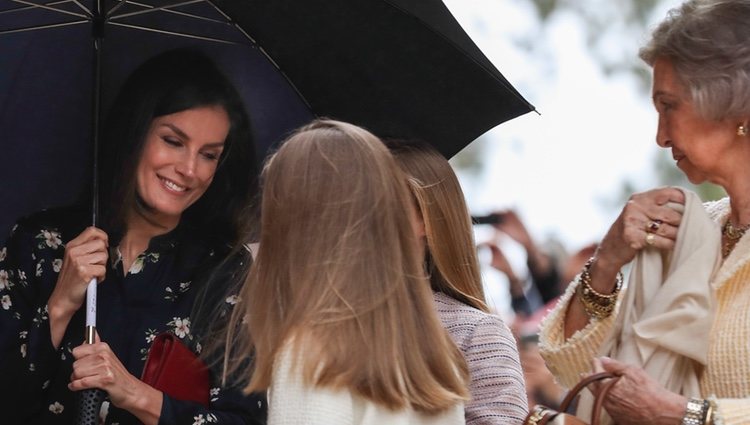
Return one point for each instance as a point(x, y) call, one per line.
point(742, 130)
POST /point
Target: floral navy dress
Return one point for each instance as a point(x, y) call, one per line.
point(156, 295)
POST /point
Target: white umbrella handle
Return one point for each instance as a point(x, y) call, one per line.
point(91, 312)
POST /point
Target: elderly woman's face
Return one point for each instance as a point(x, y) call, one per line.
point(703, 149)
point(179, 159)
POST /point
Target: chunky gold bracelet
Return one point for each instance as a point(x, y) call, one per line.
point(595, 303)
point(696, 412)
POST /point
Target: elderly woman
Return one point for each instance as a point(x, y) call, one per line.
point(701, 91)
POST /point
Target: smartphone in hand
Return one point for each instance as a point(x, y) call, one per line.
point(487, 219)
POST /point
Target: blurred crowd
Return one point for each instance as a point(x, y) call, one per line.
point(533, 290)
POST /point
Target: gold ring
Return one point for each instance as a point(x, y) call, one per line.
point(653, 225)
point(650, 239)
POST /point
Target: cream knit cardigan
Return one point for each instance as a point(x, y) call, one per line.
point(727, 374)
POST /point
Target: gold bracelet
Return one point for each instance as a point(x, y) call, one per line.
point(595, 303)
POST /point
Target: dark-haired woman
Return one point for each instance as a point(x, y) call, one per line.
point(177, 171)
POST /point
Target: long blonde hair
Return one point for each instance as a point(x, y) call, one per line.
point(452, 256)
point(338, 276)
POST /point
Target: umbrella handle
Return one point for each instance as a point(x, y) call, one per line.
point(90, 401)
point(89, 404)
point(91, 312)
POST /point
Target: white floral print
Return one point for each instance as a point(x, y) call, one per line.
point(56, 408)
point(50, 238)
point(137, 266)
point(150, 335)
point(172, 295)
point(141, 261)
point(233, 299)
point(41, 315)
point(181, 326)
point(214, 393)
point(209, 418)
point(4, 281)
point(41, 265)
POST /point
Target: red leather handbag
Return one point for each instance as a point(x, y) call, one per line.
point(171, 367)
point(543, 415)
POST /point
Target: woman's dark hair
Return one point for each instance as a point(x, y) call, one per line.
point(168, 83)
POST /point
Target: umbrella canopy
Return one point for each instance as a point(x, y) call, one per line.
point(401, 68)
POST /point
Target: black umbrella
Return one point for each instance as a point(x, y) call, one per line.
point(401, 68)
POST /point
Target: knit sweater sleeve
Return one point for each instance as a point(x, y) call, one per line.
point(497, 387)
point(567, 359)
point(731, 411)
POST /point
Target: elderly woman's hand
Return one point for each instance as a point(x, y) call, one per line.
point(637, 398)
point(645, 214)
point(646, 220)
point(96, 366)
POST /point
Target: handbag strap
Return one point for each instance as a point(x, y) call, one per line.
point(599, 400)
point(600, 396)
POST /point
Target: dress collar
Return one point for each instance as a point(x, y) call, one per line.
point(740, 255)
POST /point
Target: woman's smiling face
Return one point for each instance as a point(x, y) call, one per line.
point(179, 160)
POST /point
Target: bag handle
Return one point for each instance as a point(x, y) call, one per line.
point(598, 400)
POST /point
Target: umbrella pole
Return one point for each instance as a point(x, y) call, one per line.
point(91, 400)
point(97, 35)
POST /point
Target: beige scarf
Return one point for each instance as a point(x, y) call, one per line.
point(665, 315)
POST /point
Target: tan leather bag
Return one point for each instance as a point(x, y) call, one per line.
point(543, 415)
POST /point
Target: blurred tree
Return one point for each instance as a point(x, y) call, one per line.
point(605, 24)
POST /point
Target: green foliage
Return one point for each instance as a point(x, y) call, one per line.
point(545, 8)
